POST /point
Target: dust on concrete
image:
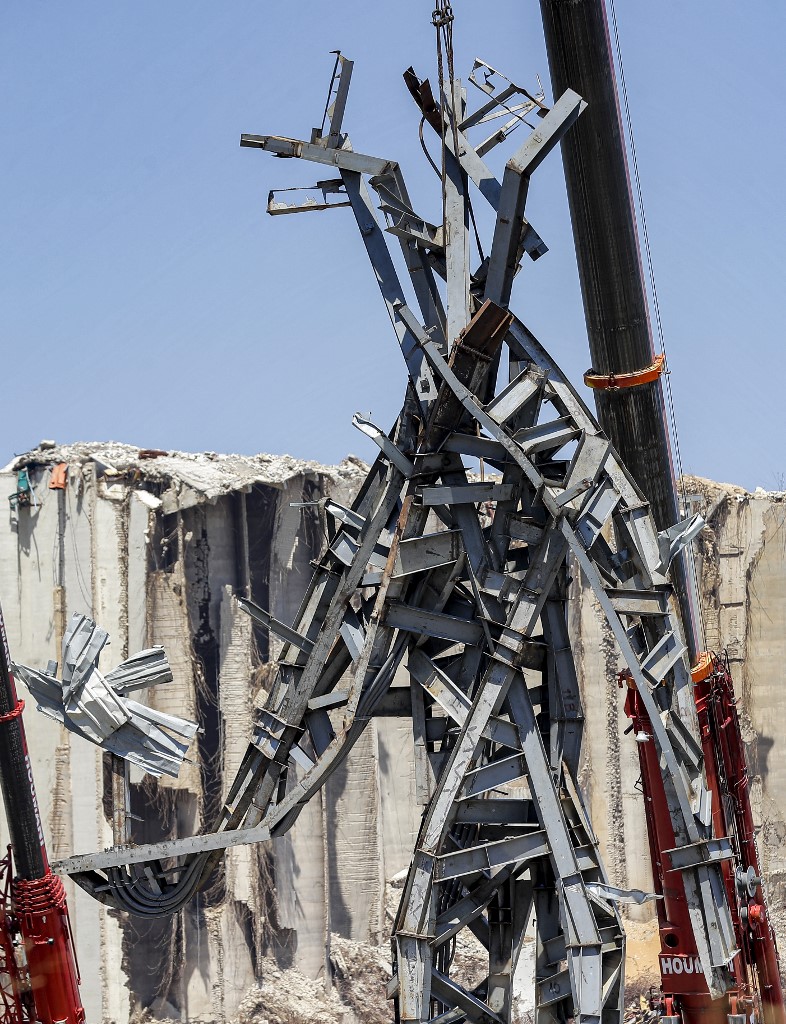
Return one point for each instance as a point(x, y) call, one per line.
point(181, 479)
point(356, 995)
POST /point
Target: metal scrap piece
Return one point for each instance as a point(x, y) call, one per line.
point(98, 708)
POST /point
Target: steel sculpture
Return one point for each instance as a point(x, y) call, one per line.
point(464, 583)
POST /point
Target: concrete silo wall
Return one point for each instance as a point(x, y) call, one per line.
point(155, 548)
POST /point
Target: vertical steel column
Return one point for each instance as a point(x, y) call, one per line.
point(609, 260)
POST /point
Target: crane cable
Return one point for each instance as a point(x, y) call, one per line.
point(656, 308)
point(442, 19)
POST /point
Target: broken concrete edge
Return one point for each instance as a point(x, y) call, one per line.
point(711, 492)
point(174, 480)
point(177, 480)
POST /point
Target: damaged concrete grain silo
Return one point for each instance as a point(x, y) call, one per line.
point(408, 614)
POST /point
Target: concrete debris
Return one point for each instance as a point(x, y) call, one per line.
point(355, 994)
point(360, 973)
point(184, 479)
point(98, 708)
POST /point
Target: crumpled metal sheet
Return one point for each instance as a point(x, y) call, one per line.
point(613, 892)
point(98, 708)
point(674, 540)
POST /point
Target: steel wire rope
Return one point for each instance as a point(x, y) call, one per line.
point(475, 228)
point(437, 18)
point(442, 18)
point(424, 147)
point(438, 173)
point(656, 309)
point(330, 92)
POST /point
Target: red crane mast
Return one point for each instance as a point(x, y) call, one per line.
point(39, 976)
point(756, 987)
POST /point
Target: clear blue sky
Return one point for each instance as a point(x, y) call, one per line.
point(145, 296)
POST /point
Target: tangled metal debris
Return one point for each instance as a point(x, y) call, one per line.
point(98, 707)
point(463, 584)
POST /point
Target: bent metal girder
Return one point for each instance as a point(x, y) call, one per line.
point(463, 583)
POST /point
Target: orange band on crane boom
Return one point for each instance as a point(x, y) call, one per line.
point(615, 381)
point(703, 667)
